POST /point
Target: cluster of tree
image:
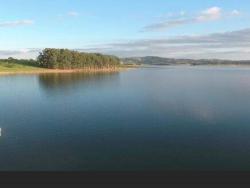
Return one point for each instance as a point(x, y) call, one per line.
point(68, 59)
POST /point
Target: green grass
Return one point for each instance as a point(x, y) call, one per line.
point(26, 66)
point(17, 67)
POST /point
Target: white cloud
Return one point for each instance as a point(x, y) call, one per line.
point(182, 13)
point(168, 24)
point(233, 45)
point(73, 13)
point(235, 13)
point(20, 53)
point(208, 15)
point(16, 23)
point(211, 14)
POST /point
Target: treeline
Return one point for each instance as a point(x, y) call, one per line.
point(28, 62)
point(68, 59)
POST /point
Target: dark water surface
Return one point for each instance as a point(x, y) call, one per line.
point(162, 118)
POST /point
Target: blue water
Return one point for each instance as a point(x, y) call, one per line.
point(159, 118)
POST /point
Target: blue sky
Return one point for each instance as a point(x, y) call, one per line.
point(182, 29)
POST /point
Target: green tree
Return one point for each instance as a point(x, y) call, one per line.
point(67, 59)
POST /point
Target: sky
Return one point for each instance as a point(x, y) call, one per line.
point(196, 29)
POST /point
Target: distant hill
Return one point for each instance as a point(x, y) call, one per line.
point(153, 60)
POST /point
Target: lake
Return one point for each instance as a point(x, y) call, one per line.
point(152, 118)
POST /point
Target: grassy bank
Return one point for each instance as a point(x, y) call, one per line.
point(6, 66)
point(26, 68)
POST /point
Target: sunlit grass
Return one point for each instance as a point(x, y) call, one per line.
point(15, 67)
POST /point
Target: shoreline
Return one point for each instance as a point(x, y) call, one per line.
point(189, 65)
point(60, 71)
point(104, 70)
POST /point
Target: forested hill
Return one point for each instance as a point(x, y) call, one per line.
point(67, 59)
point(153, 60)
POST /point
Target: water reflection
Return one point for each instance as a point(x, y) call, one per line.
point(145, 119)
point(72, 81)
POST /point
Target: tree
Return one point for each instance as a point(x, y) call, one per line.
point(67, 59)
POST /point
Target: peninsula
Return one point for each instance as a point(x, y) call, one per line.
point(61, 61)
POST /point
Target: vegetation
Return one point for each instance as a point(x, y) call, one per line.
point(51, 60)
point(14, 65)
point(67, 59)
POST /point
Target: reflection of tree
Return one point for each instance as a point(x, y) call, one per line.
point(72, 80)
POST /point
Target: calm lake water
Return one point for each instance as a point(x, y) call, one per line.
point(160, 118)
